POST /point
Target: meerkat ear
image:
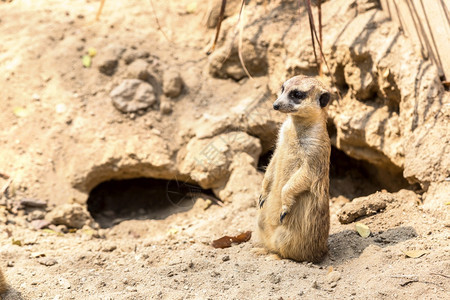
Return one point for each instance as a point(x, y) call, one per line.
point(324, 98)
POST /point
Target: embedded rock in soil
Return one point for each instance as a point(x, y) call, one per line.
point(207, 161)
point(364, 206)
point(242, 169)
point(132, 55)
point(71, 215)
point(172, 83)
point(138, 70)
point(133, 95)
point(108, 59)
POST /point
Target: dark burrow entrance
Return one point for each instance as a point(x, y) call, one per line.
point(141, 198)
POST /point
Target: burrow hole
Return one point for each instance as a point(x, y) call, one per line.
point(114, 201)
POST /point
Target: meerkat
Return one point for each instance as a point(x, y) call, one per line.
point(294, 217)
point(3, 284)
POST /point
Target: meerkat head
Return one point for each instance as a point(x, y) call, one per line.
point(302, 95)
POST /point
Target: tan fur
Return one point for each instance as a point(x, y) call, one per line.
point(296, 183)
point(3, 284)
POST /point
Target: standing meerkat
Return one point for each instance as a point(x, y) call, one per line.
point(294, 216)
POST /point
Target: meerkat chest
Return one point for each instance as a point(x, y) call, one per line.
point(290, 148)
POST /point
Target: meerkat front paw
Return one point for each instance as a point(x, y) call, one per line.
point(284, 212)
point(261, 201)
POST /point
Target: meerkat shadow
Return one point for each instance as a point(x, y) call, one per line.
point(348, 244)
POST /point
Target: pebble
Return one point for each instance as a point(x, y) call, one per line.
point(132, 95)
point(30, 202)
point(48, 262)
point(109, 248)
point(64, 283)
point(138, 70)
point(172, 84)
point(226, 258)
point(71, 215)
point(131, 289)
point(108, 65)
point(333, 276)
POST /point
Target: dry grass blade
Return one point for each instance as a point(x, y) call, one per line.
point(241, 30)
point(99, 12)
point(319, 8)
point(315, 37)
point(219, 23)
point(157, 21)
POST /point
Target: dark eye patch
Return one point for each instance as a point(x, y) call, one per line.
point(297, 95)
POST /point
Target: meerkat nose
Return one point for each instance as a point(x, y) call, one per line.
point(276, 106)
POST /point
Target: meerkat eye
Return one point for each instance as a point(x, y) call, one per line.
point(297, 95)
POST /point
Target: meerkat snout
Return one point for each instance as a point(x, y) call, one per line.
point(301, 94)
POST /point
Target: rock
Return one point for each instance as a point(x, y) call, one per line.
point(109, 248)
point(172, 83)
point(48, 262)
point(71, 215)
point(133, 95)
point(436, 198)
point(243, 169)
point(36, 215)
point(138, 70)
point(64, 283)
point(107, 65)
point(108, 59)
point(207, 161)
point(39, 224)
point(364, 206)
point(166, 106)
point(131, 56)
point(274, 279)
point(29, 202)
point(333, 276)
point(59, 228)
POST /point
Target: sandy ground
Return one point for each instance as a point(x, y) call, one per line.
point(164, 252)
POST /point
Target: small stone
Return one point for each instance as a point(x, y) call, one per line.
point(48, 262)
point(10, 264)
point(29, 202)
point(108, 66)
point(72, 215)
point(315, 285)
point(59, 228)
point(109, 248)
point(131, 289)
point(226, 258)
point(64, 283)
point(138, 70)
point(333, 276)
point(36, 215)
point(133, 95)
point(166, 107)
point(274, 279)
point(39, 224)
point(172, 84)
point(131, 56)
